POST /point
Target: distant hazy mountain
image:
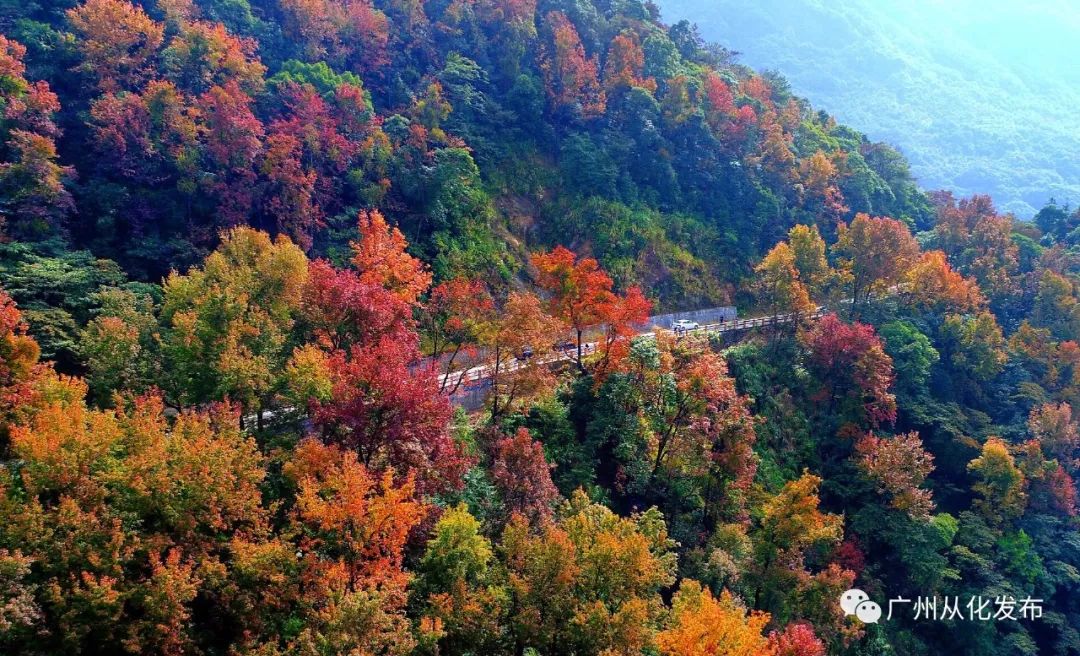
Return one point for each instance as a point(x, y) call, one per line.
point(981, 95)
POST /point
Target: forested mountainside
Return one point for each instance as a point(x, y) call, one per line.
point(482, 130)
point(978, 94)
point(255, 254)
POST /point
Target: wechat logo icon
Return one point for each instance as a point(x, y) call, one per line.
point(856, 602)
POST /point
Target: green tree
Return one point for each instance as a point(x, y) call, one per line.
point(973, 345)
point(912, 353)
point(226, 324)
point(120, 345)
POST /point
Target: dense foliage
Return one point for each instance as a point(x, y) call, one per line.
point(325, 331)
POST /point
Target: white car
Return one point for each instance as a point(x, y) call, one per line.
point(683, 325)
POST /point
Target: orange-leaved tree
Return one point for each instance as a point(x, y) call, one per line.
point(522, 327)
point(352, 527)
point(875, 253)
point(703, 625)
point(625, 64)
point(381, 258)
point(118, 42)
point(453, 320)
point(778, 286)
point(129, 517)
point(570, 75)
point(898, 466)
point(581, 294)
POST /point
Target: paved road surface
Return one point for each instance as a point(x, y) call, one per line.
point(457, 379)
point(482, 373)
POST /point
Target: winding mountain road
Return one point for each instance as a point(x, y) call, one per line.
point(457, 380)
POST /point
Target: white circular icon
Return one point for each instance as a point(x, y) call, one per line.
point(869, 612)
point(851, 599)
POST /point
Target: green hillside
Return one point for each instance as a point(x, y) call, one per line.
point(980, 96)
